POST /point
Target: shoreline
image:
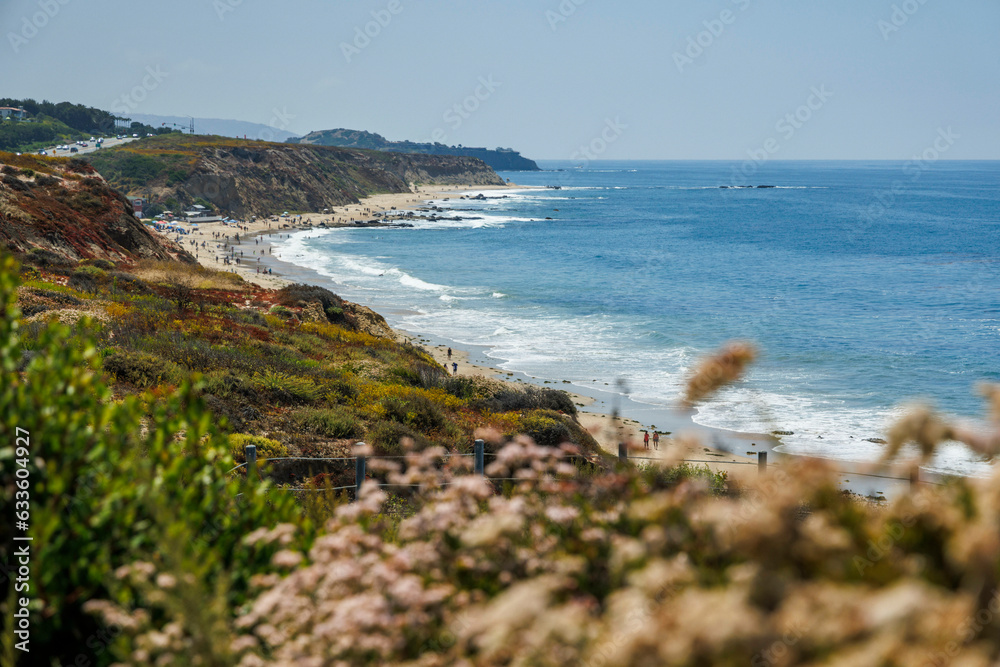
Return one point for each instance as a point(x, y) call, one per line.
point(730, 451)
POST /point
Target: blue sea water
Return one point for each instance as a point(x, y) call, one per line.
point(866, 285)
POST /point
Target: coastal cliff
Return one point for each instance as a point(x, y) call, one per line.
point(500, 159)
point(243, 178)
point(64, 207)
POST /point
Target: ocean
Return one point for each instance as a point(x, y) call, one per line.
point(866, 286)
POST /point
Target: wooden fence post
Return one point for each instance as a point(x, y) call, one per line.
point(480, 456)
point(761, 463)
point(622, 452)
point(251, 454)
point(359, 472)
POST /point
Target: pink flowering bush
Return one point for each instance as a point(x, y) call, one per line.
point(603, 570)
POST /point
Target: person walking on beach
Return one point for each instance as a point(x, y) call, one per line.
point(645, 439)
point(449, 353)
point(454, 369)
point(656, 439)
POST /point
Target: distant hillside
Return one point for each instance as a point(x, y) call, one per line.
point(62, 206)
point(222, 127)
point(500, 159)
point(51, 123)
point(41, 132)
point(242, 178)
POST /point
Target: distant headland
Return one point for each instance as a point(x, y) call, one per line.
point(501, 159)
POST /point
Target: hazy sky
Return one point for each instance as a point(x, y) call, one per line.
point(682, 79)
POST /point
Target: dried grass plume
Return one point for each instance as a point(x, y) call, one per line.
point(724, 367)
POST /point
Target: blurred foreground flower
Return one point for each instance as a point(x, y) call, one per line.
point(921, 426)
point(722, 368)
point(928, 430)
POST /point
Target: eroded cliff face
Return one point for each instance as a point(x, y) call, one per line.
point(65, 207)
point(244, 178)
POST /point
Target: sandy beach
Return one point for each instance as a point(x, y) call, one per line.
point(247, 241)
point(733, 452)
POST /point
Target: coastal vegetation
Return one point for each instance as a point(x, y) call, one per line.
point(150, 549)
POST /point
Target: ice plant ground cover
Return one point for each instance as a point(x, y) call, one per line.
point(138, 530)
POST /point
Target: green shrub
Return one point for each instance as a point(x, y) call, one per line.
point(407, 375)
point(285, 387)
point(416, 411)
point(463, 387)
point(545, 427)
point(103, 264)
point(109, 487)
point(340, 389)
point(87, 279)
point(661, 477)
point(528, 397)
point(127, 284)
point(141, 369)
point(85, 201)
point(92, 270)
point(281, 311)
point(386, 436)
point(330, 422)
point(296, 295)
point(46, 258)
point(225, 383)
point(266, 447)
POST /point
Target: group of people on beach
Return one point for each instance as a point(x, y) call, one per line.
point(656, 439)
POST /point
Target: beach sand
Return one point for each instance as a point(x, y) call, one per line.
point(732, 452)
point(253, 242)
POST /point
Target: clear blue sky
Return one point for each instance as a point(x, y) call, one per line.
point(559, 71)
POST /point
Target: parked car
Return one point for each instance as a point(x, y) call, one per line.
point(74, 149)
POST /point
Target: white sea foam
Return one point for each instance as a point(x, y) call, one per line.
point(821, 427)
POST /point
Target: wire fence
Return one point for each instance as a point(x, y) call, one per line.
point(479, 454)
